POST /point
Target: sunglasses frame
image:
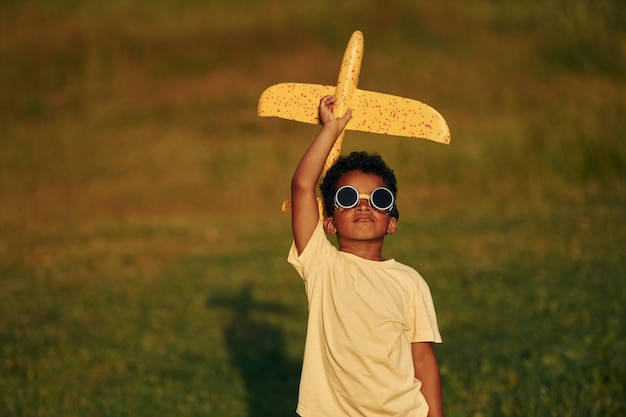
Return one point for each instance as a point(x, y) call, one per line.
point(339, 207)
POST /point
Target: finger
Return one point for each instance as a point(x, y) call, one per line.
point(347, 115)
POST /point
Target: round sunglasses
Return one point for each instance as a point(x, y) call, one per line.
point(348, 197)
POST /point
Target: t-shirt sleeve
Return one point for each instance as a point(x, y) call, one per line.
point(317, 249)
point(425, 328)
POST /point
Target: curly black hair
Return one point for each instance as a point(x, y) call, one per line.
point(357, 161)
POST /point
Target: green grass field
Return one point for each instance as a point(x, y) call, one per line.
point(143, 252)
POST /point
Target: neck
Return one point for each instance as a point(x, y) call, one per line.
point(370, 250)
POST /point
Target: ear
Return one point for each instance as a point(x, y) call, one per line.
point(393, 225)
point(329, 226)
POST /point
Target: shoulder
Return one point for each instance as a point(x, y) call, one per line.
point(409, 276)
point(408, 271)
point(316, 248)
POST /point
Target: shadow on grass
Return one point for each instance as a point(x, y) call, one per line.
point(257, 350)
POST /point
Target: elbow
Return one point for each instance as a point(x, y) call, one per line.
point(299, 185)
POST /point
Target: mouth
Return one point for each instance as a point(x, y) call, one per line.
point(360, 219)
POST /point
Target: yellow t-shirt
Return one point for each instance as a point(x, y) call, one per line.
point(363, 317)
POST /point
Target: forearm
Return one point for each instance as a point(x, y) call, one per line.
point(312, 163)
point(427, 371)
point(309, 169)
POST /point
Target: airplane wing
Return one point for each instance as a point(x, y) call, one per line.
point(294, 101)
point(398, 116)
point(371, 111)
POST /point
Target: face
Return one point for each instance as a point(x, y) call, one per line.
point(361, 222)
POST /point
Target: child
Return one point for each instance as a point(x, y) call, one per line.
point(371, 322)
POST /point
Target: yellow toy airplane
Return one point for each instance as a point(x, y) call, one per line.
point(371, 111)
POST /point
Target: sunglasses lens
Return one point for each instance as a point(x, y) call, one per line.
point(347, 197)
point(382, 199)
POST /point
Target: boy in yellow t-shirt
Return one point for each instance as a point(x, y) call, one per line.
point(372, 321)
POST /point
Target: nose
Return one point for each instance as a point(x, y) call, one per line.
point(364, 205)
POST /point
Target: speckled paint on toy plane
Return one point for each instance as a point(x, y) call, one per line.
point(371, 111)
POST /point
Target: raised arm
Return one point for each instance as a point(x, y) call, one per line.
point(304, 211)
